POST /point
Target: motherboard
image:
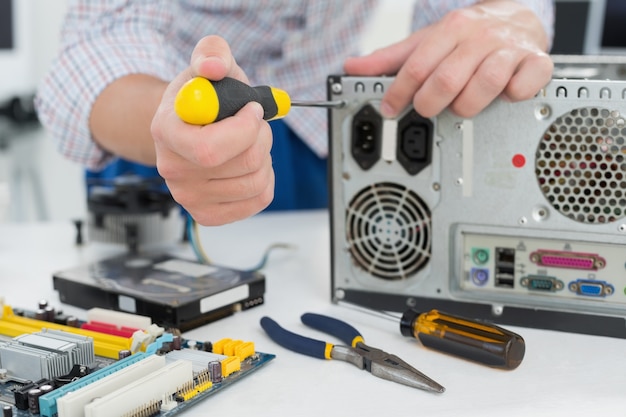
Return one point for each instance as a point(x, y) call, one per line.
point(110, 364)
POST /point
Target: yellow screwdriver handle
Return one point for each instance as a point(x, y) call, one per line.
point(201, 101)
point(469, 339)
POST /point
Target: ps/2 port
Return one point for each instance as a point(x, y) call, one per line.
point(479, 276)
point(480, 256)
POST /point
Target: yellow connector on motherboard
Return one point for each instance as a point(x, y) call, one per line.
point(230, 365)
point(218, 347)
point(244, 350)
point(231, 347)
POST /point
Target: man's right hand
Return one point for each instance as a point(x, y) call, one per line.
point(220, 172)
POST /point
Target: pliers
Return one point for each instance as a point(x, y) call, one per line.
point(378, 362)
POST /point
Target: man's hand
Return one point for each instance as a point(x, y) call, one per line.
point(221, 172)
point(464, 61)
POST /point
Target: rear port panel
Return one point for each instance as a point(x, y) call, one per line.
point(507, 268)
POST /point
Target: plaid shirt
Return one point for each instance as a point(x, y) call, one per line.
point(292, 44)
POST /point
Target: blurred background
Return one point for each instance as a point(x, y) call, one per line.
point(37, 184)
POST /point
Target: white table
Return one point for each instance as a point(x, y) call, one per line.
point(562, 374)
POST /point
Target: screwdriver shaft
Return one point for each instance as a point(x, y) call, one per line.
point(336, 104)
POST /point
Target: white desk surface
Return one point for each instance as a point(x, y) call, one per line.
point(562, 373)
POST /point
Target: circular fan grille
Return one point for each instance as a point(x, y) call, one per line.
point(581, 165)
point(389, 231)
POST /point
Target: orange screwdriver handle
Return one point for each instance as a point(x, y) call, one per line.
point(475, 340)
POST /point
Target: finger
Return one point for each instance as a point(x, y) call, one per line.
point(200, 187)
point(213, 59)
point(251, 160)
point(487, 82)
point(214, 144)
point(422, 61)
point(448, 80)
point(533, 73)
point(228, 212)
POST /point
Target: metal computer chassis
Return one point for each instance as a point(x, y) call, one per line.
point(516, 216)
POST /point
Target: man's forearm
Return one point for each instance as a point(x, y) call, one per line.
point(121, 116)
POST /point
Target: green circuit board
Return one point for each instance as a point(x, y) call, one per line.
point(160, 363)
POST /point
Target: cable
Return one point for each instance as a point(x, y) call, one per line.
point(196, 245)
point(266, 255)
point(194, 240)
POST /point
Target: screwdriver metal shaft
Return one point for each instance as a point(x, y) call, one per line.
point(335, 104)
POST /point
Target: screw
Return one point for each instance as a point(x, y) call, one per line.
point(336, 88)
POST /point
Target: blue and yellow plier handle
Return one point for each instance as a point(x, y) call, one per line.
point(312, 347)
point(376, 361)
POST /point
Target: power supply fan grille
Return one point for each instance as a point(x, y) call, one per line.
point(581, 165)
point(388, 231)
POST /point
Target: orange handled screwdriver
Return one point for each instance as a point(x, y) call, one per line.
point(201, 101)
point(475, 340)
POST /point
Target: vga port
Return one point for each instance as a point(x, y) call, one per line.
point(571, 260)
point(541, 283)
point(591, 287)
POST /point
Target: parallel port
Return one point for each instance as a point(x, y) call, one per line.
point(570, 260)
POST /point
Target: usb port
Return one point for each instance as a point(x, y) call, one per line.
point(505, 268)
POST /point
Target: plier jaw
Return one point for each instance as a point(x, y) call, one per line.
point(390, 367)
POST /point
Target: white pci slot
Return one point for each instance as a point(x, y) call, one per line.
point(119, 318)
point(153, 387)
point(73, 403)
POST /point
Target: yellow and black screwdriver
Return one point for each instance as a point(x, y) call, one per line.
point(201, 101)
point(475, 340)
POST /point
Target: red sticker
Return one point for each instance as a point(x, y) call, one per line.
point(519, 160)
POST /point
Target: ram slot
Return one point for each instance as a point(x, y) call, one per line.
point(73, 403)
point(144, 391)
point(104, 345)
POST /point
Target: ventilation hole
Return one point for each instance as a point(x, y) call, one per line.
point(388, 229)
point(580, 165)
